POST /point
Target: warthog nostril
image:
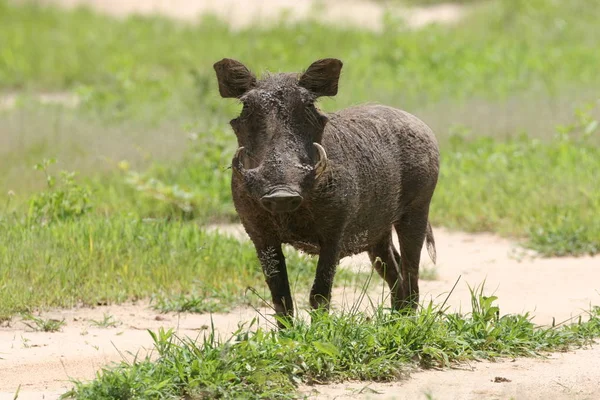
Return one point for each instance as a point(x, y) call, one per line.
point(281, 201)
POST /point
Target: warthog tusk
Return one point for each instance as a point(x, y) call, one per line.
point(321, 165)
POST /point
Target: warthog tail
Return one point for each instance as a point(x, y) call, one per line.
point(430, 242)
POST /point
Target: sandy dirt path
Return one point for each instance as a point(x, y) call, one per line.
point(563, 376)
point(43, 363)
point(240, 14)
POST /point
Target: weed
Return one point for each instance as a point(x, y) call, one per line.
point(170, 194)
point(25, 342)
point(107, 321)
point(204, 303)
point(40, 324)
point(16, 396)
point(63, 199)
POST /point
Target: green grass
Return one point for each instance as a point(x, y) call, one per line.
point(546, 192)
point(191, 302)
point(258, 363)
point(107, 321)
point(94, 260)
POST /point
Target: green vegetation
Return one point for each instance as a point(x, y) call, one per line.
point(203, 303)
point(545, 191)
point(255, 363)
point(95, 260)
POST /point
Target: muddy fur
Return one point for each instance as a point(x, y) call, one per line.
point(380, 172)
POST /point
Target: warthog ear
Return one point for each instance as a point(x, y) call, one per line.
point(322, 77)
point(233, 77)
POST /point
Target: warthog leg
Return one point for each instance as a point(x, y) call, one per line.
point(385, 258)
point(273, 265)
point(411, 234)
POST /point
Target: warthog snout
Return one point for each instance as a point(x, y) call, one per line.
point(281, 200)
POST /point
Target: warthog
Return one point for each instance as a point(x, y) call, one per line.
point(331, 185)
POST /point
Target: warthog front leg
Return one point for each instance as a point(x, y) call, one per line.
point(272, 261)
point(320, 294)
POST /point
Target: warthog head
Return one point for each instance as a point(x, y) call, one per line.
point(279, 131)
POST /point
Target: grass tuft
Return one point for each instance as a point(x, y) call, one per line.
point(107, 321)
point(40, 324)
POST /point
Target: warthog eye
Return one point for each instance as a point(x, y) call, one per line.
point(245, 108)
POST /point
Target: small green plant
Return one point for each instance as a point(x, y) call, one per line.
point(206, 302)
point(583, 127)
point(40, 324)
point(25, 342)
point(107, 321)
point(63, 199)
point(9, 197)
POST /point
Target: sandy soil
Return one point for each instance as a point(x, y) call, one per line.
point(573, 375)
point(43, 363)
point(240, 14)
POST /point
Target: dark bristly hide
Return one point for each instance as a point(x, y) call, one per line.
point(332, 185)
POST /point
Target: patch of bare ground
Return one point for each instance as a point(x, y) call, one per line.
point(42, 363)
point(240, 14)
point(562, 376)
point(9, 101)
